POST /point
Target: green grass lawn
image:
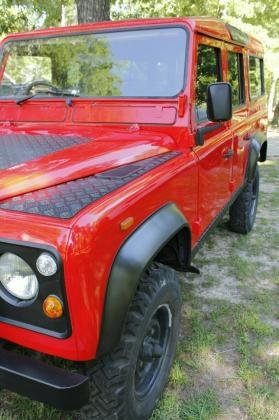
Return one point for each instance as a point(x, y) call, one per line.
point(227, 363)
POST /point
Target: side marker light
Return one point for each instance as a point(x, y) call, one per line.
point(127, 223)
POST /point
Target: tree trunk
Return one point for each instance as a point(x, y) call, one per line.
point(93, 10)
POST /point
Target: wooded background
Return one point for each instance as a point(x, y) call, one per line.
point(259, 18)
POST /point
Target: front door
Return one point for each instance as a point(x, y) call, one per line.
point(216, 153)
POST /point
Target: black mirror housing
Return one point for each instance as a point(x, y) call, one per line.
point(219, 101)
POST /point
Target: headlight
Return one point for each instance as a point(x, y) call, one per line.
point(46, 264)
point(17, 277)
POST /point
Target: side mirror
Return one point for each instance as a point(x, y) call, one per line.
point(219, 101)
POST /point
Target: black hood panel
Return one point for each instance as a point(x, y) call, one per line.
point(65, 200)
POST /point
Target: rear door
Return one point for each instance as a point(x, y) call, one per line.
point(239, 124)
point(214, 147)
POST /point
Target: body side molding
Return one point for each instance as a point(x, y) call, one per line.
point(132, 259)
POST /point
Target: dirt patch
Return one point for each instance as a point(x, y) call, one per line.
point(274, 323)
point(220, 374)
point(226, 289)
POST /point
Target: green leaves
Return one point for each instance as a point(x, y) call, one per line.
point(11, 18)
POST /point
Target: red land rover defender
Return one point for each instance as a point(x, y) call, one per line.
point(121, 145)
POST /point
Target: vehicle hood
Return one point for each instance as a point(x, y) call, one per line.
point(33, 160)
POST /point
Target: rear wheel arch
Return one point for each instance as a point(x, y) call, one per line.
point(243, 210)
point(253, 158)
point(167, 229)
point(263, 152)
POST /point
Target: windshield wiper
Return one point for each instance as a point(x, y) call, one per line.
point(67, 95)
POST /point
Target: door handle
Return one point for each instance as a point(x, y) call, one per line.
point(228, 154)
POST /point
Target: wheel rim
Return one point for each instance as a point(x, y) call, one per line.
point(153, 351)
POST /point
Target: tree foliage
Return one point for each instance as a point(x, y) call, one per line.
point(260, 13)
point(44, 13)
point(11, 19)
point(17, 13)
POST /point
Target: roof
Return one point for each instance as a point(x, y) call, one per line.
point(213, 27)
point(216, 28)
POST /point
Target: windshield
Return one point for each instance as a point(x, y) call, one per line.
point(130, 63)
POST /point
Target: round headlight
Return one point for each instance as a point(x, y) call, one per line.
point(46, 264)
point(17, 277)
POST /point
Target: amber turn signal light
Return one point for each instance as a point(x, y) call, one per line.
point(53, 307)
point(127, 223)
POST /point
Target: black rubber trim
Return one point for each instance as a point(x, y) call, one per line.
point(30, 315)
point(42, 382)
point(132, 259)
point(263, 153)
point(254, 154)
point(204, 130)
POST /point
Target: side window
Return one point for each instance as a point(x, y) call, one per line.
point(256, 77)
point(236, 77)
point(208, 71)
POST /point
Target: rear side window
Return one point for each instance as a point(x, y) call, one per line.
point(208, 71)
point(236, 77)
point(256, 77)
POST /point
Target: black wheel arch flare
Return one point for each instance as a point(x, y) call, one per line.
point(132, 259)
point(253, 158)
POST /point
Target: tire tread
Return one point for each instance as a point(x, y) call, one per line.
point(107, 375)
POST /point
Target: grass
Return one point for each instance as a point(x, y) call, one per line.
point(200, 407)
point(227, 362)
point(204, 406)
point(241, 269)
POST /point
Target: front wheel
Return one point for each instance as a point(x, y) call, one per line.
point(126, 383)
point(243, 210)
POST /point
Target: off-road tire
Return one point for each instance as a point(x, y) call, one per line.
point(119, 390)
point(243, 210)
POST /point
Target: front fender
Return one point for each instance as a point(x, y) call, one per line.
point(131, 261)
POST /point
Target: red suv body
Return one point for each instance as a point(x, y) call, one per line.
point(115, 153)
